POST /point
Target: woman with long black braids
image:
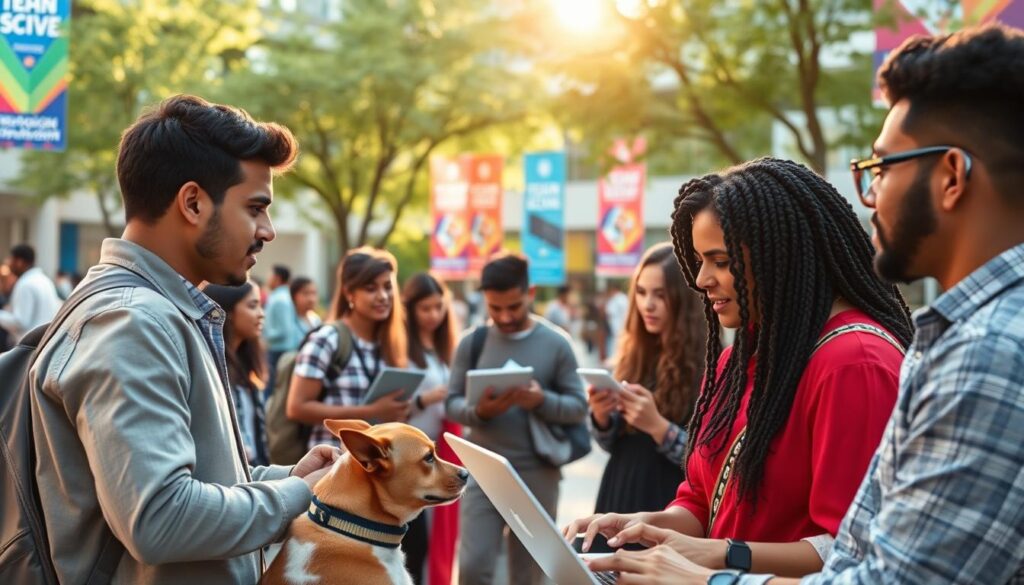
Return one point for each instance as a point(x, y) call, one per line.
point(790, 415)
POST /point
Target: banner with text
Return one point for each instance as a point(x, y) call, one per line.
point(620, 228)
point(449, 209)
point(543, 231)
point(485, 190)
point(33, 73)
point(928, 17)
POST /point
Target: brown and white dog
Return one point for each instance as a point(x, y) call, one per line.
point(360, 509)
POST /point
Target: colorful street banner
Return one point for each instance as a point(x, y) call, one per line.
point(543, 232)
point(620, 229)
point(449, 209)
point(485, 190)
point(928, 17)
point(33, 73)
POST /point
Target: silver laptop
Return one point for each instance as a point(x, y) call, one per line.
point(525, 516)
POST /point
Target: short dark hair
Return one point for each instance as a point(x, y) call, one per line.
point(299, 283)
point(185, 139)
point(282, 272)
point(25, 253)
point(564, 290)
point(966, 88)
point(505, 271)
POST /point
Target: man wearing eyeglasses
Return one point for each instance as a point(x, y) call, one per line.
point(943, 499)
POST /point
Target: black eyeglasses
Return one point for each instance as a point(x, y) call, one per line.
point(862, 180)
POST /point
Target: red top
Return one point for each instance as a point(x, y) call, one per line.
point(817, 461)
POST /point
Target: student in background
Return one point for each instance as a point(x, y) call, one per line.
point(430, 326)
point(364, 304)
point(501, 421)
point(304, 298)
point(661, 359)
point(243, 348)
point(279, 332)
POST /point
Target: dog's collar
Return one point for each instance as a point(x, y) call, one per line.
point(357, 527)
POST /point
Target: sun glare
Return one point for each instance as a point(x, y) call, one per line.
point(581, 16)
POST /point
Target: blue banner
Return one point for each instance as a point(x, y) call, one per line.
point(543, 231)
point(34, 73)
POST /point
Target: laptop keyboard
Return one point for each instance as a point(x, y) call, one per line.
point(606, 577)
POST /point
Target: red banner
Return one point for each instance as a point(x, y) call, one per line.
point(449, 208)
point(620, 229)
point(485, 209)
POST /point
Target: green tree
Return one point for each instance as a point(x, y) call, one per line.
point(123, 57)
point(719, 72)
point(373, 96)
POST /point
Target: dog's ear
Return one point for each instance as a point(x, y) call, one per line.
point(336, 425)
point(370, 452)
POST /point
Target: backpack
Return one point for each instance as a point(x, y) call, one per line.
point(24, 553)
point(288, 439)
point(548, 438)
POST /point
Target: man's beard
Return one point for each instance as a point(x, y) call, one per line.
point(210, 244)
point(917, 220)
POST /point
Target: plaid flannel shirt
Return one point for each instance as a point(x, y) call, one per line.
point(943, 499)
point(348, 385)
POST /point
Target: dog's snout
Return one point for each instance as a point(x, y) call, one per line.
point(463, 474)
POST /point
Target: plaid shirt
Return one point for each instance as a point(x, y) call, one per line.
point(943, 499)
point(347, 385)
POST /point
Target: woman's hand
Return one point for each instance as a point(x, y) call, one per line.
point(705, 552)
point(606, 524)
point(640, 411)
point(434, 395)
point(603, 403)
point(390, 408)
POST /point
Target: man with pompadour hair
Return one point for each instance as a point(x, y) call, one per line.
point(141, 471)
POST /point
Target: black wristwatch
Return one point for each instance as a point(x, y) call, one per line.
point(737, 555)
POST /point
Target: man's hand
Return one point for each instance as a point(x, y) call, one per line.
point(660, 565)
point(315, 464)
point(530, 397)
point(492, 405)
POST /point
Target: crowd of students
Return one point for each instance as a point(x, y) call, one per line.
point(838, 439)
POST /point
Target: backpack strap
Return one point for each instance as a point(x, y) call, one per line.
point(476, 345)
point(343, 352)
point(113, 549)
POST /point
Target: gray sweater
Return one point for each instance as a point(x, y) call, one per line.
point(550, 354)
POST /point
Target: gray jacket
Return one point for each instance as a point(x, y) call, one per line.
point(134, 430)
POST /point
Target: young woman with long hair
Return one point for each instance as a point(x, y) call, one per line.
point(790, 415)
point(661, 359)
point(364, 304)
point(247, 368)
point(431, 329)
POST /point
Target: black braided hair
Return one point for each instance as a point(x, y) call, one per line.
point(806, 249)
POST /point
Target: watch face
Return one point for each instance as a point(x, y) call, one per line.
point(723, 578)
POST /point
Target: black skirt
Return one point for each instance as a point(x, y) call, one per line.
point(637, 478)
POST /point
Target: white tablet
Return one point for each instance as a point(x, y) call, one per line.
point(599, 379)
point(392, 379)
point(501, 379)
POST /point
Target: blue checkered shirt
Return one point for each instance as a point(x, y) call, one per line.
point(943, 499)
point(212, 326)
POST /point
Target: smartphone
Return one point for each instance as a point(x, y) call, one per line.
point(599, 379)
